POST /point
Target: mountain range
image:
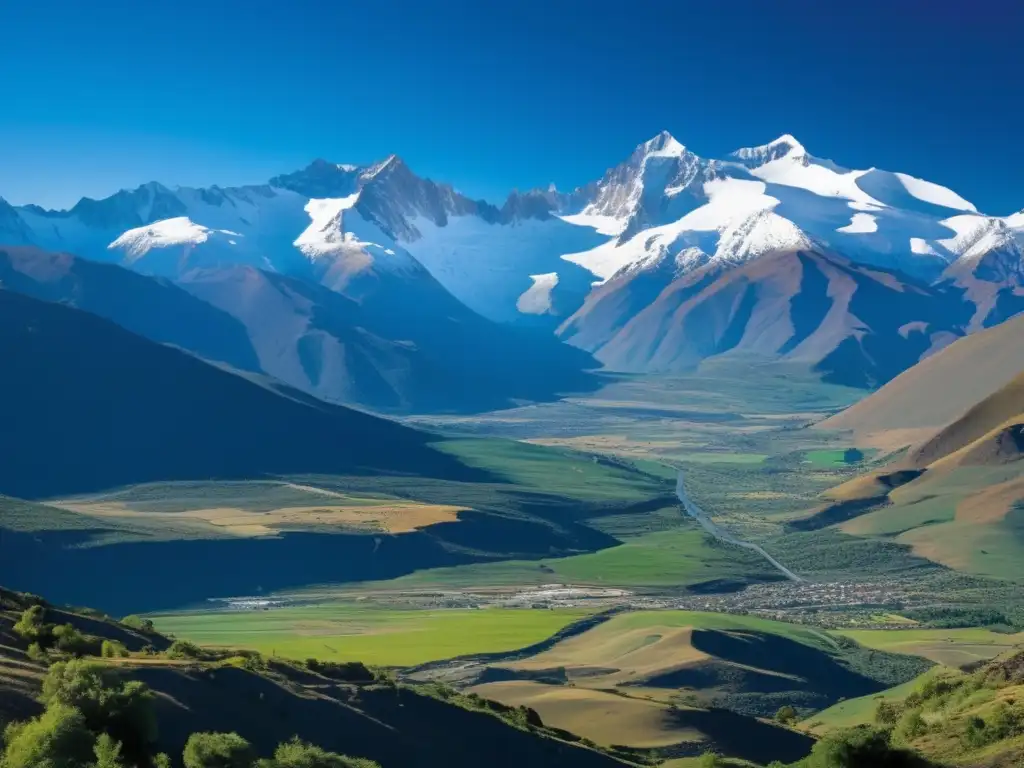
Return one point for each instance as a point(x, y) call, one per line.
point(372, 286)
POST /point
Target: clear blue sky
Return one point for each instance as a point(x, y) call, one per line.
point(495, 94)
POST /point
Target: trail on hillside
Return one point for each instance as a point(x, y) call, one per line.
point(711, 527)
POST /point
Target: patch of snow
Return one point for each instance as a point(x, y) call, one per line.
point(600, 223)
point(179, 231)
point(536, 300)
point(822, 179)
point(760, 233)
point(934, 193)
point(922, 247)
point(325, 232)
point(861, 223)
point(339, 235)
point(488, 266)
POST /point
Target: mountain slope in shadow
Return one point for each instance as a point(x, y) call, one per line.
point(89, 405)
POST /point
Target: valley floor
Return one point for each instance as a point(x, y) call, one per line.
point(573, 582)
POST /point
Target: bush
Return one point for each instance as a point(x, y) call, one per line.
point(1002, 723)
point(218, 750)
point(139, 624)
point(786, 715)
point(974, 733)
point(59, 738)
point(32, 625)
point(299, 754)
point(349, 671)
point(710, 760)
point(887, 713)
point(909, 726)
point(36, 653)
point(112, 649)
point(108, 753)
point(862, 747)
point(67, 639)
point(254, 662)
point(108, 704)
point(183, 649)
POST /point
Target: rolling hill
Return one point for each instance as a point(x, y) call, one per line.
point(344, 708)
point(938, 390)
point(956, 495)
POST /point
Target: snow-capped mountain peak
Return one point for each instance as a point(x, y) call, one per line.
point(761, 233)
point(321, 179)
point(391, 163)
point(977, 236)
point(663, 145)
point(784, 146)
point(179, 232)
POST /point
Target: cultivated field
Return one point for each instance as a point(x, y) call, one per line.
point(378, 636)
point(950, 647)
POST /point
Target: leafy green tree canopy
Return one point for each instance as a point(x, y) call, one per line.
point(59, 738)
point(862, 747)
point(218, 750)
point(299, 754)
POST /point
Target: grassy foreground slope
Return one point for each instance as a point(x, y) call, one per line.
point(952, 717)
point(344, 709)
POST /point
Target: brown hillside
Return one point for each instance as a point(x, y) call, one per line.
point(996, 418)
point(852, 324)
point(938, 390)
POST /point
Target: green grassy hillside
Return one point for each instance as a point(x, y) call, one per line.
point(346, 709)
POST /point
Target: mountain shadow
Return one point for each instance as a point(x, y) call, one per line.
point(89, 405)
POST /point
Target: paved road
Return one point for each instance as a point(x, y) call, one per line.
point(705, 520)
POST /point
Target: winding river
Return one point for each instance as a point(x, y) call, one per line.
point(709, 525)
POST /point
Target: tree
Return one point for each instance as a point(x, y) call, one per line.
point(107, 752)
point(183, 649)
point(861, 747)
point(161, 761)
point(32, 625)
point(786, 715)
point(108, 703)
point(218, 750)
point(70, 640)
point(59, 738)
point(887, 712)
point(112, 649)
point(299, 754)
point(36, 653)
point(710, 759)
